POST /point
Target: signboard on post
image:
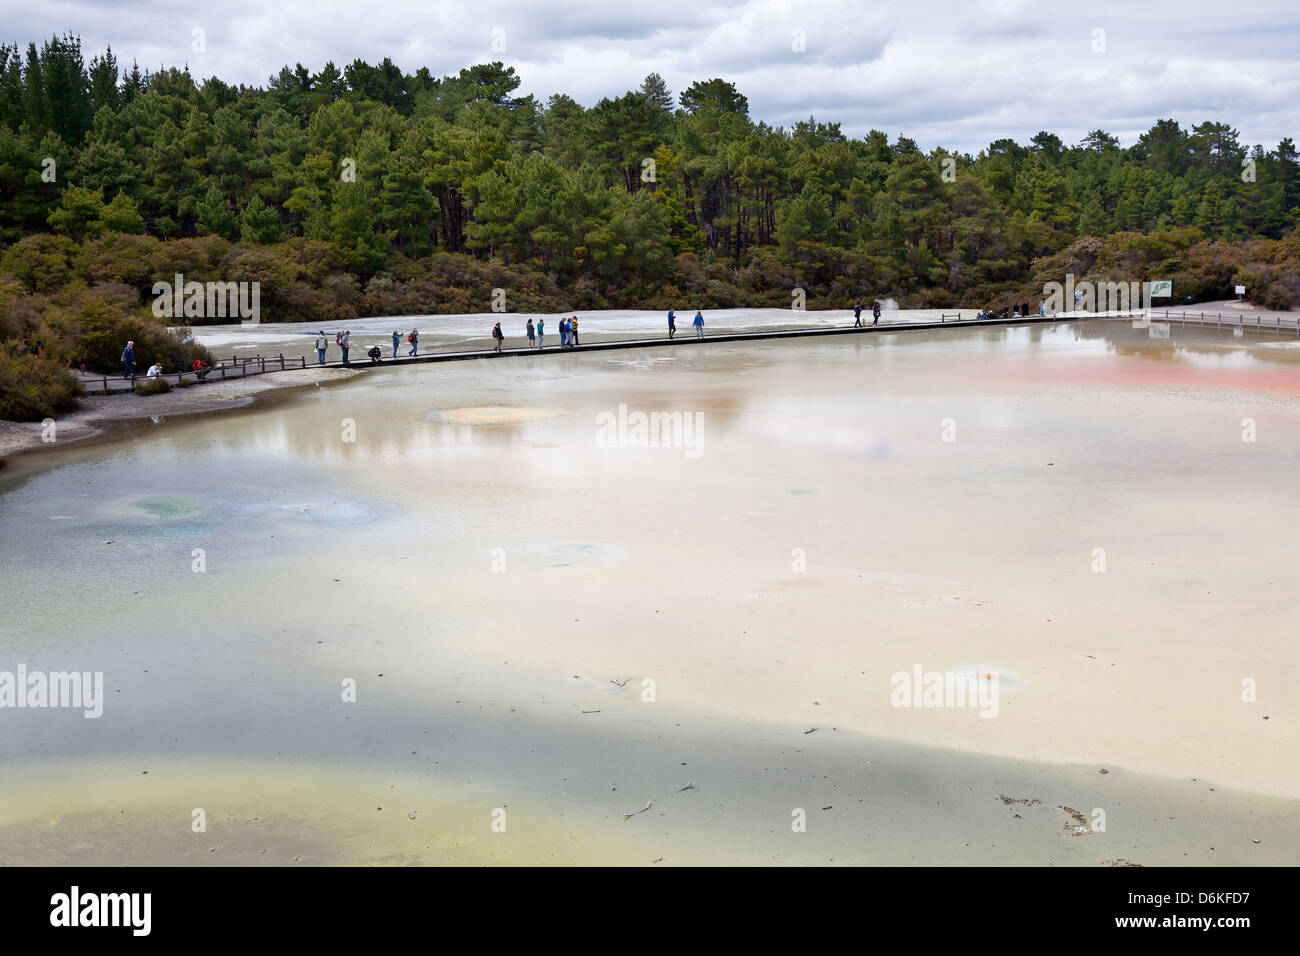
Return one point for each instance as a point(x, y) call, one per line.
point(1240, 290)
point(1163, 288)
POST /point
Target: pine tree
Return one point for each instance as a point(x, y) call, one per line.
point(258, 224)
point(121, 215)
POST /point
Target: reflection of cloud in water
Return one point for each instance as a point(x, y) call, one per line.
point(642, 362)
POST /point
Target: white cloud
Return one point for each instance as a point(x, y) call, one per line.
point(944, 72)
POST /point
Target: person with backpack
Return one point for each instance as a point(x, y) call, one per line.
point(128, 360)
point(672, 323)
point(414, 339)
point(857, 316)
point(541, 330)
point(343, 340)
point(699, 324)
point(396, 338)
point(322, 344)
point(497, 334)
point(532, 335)
point(875, 312)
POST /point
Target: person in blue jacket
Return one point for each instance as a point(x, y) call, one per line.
point(672, 323)
point(128, 360)
point(699, 325)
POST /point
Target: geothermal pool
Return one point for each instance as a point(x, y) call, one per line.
point(443, 614)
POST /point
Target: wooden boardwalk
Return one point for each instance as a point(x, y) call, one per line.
point(259, 365)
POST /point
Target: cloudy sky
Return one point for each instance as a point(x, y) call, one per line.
point(956, 73)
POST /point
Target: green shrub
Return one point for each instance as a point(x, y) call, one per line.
point(152, 386)
point(34, 387)
point(120, 258)
point(1275, 295)
point(43, 263)
point(100, 323)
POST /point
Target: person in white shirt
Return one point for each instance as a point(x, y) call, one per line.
point(322, 344)
point(155, 370)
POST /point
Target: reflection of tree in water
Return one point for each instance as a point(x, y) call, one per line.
point(1202, 348)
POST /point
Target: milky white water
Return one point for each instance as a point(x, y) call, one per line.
point(545, 623)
